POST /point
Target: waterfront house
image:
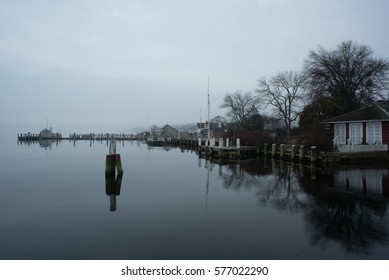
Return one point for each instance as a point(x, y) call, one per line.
point(169, 132)
point(362, 130)
point(48, 134)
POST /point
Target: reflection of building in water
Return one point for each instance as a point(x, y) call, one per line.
point(46, 143)
point(374, 181)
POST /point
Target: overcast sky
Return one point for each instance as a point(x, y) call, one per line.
point(117, 65)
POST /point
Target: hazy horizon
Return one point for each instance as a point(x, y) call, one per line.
point(121, 66)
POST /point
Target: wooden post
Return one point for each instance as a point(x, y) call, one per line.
point(265, 148)
point(273, 150)
point(227, 142)
point(313, 153)
point(292, 152)
point(112, 147)
point(113, 161)
point(301, 153)
point(220, 142)
point(212, 141)
point(110, 165)
point(282, 150)
point(238, 143)
point(118, 163)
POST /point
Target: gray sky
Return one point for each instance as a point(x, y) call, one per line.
point(113, 66)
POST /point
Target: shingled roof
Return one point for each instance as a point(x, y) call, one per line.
point(376, 112)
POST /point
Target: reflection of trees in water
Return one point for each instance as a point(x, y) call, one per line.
point(275, 185)
point(356, 221)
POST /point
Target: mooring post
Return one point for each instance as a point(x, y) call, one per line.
point(118, 163)
point(273, 150)
point(112, 147)
point(113, 160)
point(313, 153)
point(282, 150)
point(227, 142)
point(110, 165)
point(292, 152)
point(238, 143)
point(265, 149)
point(220, 142)
point(301, 153)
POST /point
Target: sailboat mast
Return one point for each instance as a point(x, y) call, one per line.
point(209, 116)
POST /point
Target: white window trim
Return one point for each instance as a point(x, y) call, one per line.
point(374, 133)
point(355, 133)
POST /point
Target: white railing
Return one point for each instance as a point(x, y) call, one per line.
point(353, 148)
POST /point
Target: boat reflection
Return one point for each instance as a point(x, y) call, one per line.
point(46, 144)
point(112, 188)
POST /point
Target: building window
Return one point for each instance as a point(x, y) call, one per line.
point(340, 134)
point(356, 133)
point(374, 133)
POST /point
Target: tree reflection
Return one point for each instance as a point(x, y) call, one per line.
point(276, 185)
point(355, 219)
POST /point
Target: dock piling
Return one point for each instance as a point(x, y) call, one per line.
point(113, 161)
point(273, 150)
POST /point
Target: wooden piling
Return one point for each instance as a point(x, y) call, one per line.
point(110, 164)
point(273, 150)
point(301, 153)
point(118, 163)
point(313, 154)
point(282, 150)
point(292, 152)
point(113, 161)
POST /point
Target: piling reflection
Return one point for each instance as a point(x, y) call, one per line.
point(46, 144)
point(349, 207)
point(112, 188)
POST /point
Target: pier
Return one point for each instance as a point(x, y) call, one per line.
point(220, 151)
point(77, 136)
point(225, 150)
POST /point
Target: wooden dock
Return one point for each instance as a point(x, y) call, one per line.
point(75, 136)
point(221, 152)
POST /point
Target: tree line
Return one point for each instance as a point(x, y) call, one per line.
point(331, 83)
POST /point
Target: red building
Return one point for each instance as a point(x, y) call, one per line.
point(362, 130)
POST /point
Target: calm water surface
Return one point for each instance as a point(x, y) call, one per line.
point(56, 203)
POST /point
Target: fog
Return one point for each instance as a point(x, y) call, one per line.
point(121, 66)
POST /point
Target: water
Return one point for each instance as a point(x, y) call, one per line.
point(56, 203)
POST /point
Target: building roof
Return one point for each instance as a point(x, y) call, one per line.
point(46, 131)
point(376, 112)
point(168, 127)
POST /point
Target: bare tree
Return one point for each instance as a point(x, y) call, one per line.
point(284, 92)
point(350, 74)
point(240, 105)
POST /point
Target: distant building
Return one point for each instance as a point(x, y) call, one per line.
point(48, 134)
point(169, 132)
